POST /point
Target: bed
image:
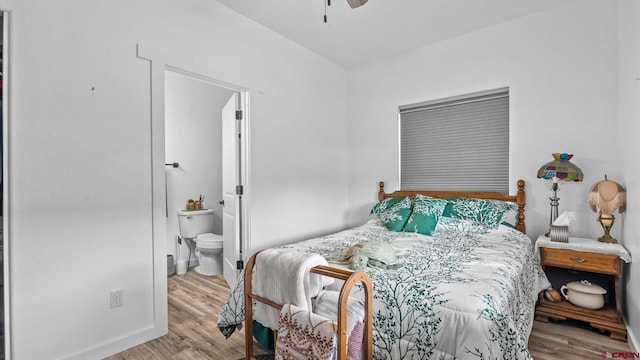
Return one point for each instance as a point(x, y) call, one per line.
point(467, 282)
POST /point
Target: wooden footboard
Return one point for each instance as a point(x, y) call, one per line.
point(519, 199)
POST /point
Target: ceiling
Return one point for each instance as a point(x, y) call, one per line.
point(380, 28)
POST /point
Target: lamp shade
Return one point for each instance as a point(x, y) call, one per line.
point(606, 196)
point(560, 168)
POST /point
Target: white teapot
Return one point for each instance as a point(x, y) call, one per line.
point(584, 294)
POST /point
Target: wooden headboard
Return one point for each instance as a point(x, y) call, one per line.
point(519, 198)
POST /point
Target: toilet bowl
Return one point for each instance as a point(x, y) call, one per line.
point(208, 250)
point(196, 227)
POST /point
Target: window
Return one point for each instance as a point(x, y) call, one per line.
point(459, 143)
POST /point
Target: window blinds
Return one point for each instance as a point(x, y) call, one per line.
point(458, 143)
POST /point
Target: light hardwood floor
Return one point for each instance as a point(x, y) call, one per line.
point(195, 301)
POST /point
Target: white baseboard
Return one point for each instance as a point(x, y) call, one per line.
point(120, 344)
point(632, 339)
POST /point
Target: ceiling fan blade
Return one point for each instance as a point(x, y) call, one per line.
point(356, 3)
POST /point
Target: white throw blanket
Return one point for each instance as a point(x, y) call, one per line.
point(327, 306)
point(282, 275)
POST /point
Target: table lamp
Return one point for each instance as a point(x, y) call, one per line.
point(605, 197)
point(556, 170)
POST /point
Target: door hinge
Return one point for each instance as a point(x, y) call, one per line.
point(239, 190)
point(240, 265)
point(238, 114)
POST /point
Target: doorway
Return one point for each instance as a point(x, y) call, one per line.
point(197, 164)
point(161, 62)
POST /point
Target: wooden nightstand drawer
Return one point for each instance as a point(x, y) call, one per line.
point(581, 260)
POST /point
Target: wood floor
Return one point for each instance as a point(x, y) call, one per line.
point(195, 301)
point(194, 304)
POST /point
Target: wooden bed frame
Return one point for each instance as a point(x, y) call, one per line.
point(519, 198)
point(350, 278)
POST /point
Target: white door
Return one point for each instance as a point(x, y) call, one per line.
point(231, 196)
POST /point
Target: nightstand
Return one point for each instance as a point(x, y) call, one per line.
point(578, 259)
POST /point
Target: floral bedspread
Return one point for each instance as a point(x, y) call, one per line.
point(458, 295)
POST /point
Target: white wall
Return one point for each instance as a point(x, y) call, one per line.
point(193, 124)
point(80, 157)
point(629, 115)
point(80, 174)
point(561, 68)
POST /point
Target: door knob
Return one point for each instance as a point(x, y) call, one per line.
point(221, 202)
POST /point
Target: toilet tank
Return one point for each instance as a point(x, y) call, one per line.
point(194, 223)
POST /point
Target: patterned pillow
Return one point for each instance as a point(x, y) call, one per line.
point(397, 215)
point(489, 212)
point(385, 204)
point(425, 215)
point(451, 225)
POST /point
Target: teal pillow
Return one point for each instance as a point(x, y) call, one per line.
point(385, 204)
point(395, 217)
point(485, 211)
point(425, 215)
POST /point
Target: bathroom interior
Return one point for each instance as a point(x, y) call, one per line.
point(193, 154)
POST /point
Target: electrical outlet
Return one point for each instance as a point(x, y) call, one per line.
point(115, 297)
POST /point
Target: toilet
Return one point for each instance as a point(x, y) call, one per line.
point(197, 226)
